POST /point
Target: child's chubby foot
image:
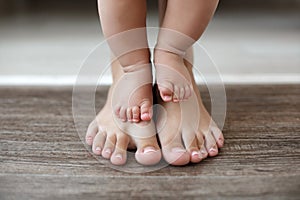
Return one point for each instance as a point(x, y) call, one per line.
point(187, 132)
point(132, 95)
point(173, 79)
point(111, 142)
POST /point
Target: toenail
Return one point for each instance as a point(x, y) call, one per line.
point(149, 150)
point(221, 141)
point(195, 153)
point(145, 115)
point(119, 156)
point(203, 152)
point(98, 149)
point(178, 150)
point(167, 98)
point(212, 150)
point(108, 151)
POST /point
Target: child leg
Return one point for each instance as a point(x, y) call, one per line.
point(183, 24)
point(123, 23)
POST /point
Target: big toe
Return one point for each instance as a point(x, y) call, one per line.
point(146, 111)
point(166, 93)
point(148, 152)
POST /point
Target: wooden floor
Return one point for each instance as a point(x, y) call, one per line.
point(42, 156)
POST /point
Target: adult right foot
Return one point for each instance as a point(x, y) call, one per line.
point(111, 142)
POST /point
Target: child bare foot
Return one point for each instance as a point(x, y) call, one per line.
point(111, 141)
point(173, 79)
point(125, 33)
point(186, 131)
point(132, 95)
point(182, 24)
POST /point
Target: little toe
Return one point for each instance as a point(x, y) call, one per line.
point(148, 151)
point(135, 114)
point(188, 92)
point(91, 132)
point(182, 94)
point(119, 155)
point(218, 135)
point(123, 114)
point(98, 143)
point(109, 146)
point(146, 112)
point(117, 110)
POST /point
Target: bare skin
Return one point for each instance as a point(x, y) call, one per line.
point(110, 142)
point(124, 30)
point(182, 23)
point(183, 138)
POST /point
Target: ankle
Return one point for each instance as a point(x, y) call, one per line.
point(162, 56)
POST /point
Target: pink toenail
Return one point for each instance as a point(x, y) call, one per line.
point(98, 149)
point(167, 98)
point(149, 150)
point(212, 150)
point(145, 115)
point(195, 153)
point(119, 156)
point(178, 150)
point(108, 151)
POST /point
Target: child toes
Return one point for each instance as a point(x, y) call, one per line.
point(135, 114)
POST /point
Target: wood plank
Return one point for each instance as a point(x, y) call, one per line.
point(42, 156)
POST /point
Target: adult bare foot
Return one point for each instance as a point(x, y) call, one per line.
point(186, 131)
point(111, 138)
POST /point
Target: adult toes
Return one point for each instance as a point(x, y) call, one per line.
point(201, 145)
point(119, 155)
point(91, 132)
point(218, 135)
point(98, 143)
point(191, 144)
point(173, 150)
point(148, 151)
point(109, 146)
point(210, 144)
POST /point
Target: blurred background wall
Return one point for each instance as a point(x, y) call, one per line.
point(45, 41)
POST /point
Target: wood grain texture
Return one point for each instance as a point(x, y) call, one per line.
point(42, 156)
